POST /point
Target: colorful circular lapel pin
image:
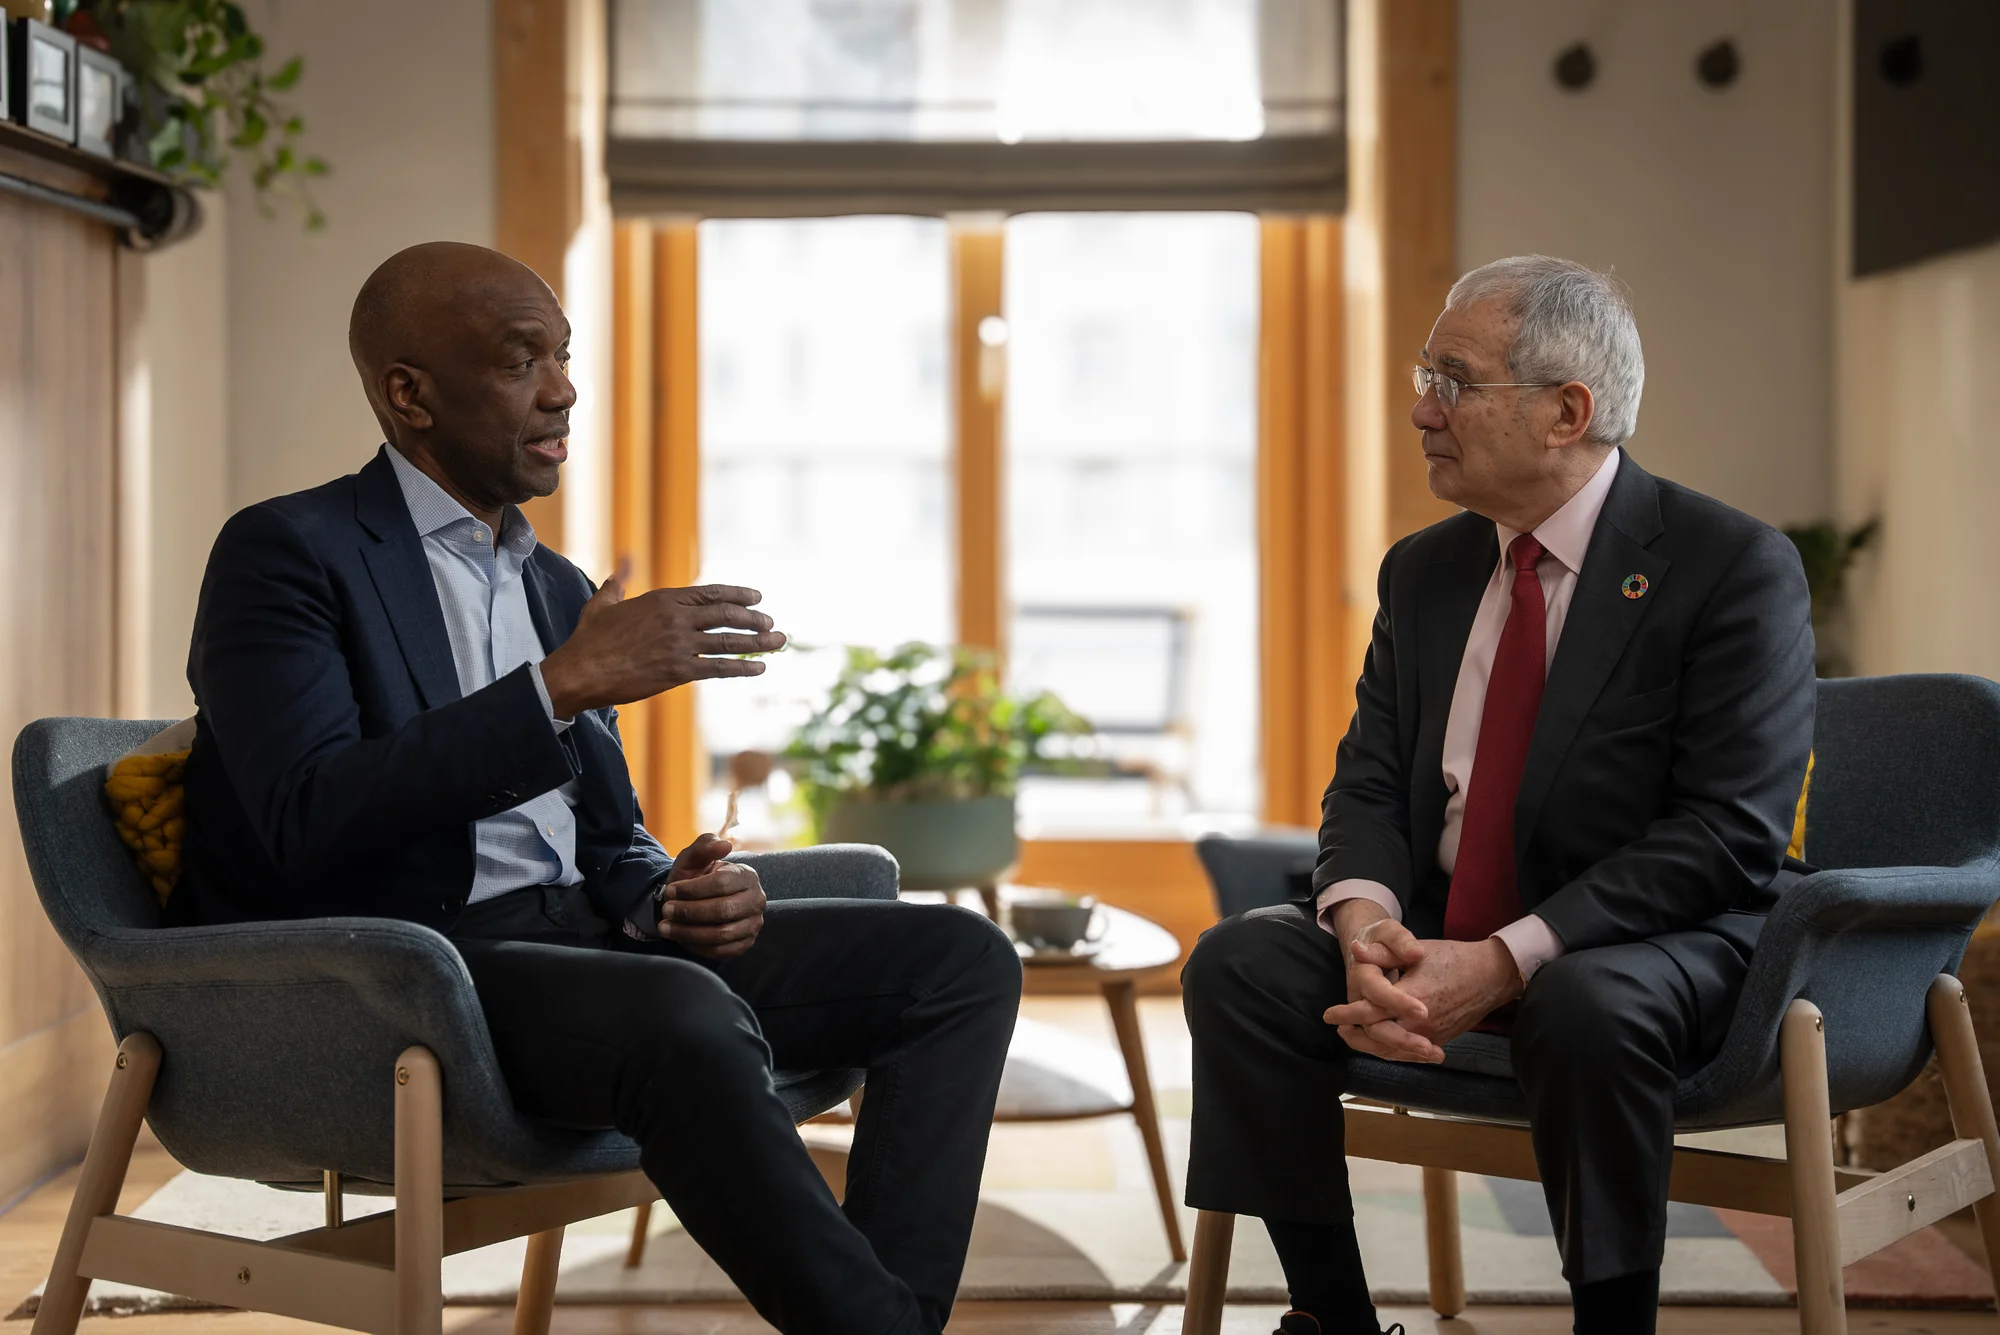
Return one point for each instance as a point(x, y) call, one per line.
point(1635, 586)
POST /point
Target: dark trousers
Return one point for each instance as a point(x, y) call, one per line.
point(1601, 1039)
point(596, 1030)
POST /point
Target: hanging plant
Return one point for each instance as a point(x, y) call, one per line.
point(204, 94)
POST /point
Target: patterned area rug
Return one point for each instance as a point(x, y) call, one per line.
point(1067, 1213)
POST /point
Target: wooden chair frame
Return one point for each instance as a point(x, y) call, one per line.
point(1838, 1215)
point(381, 1274)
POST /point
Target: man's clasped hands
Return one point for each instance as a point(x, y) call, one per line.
point(1407, 998)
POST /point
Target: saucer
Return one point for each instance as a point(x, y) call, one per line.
point(1076, 954)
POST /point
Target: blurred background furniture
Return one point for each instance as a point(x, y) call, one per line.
point(330, 1054)
point(1850, 990)
point(1258, 870)
point(1126, 669)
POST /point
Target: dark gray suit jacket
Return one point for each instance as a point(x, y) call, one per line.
point(1672, 740)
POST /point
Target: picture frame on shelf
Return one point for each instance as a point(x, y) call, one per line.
point(100, 101)
point(42, 79)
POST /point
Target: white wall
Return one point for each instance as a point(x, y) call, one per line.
point(1715, 207)
point(398, 97)
point(1918, 447)
point(186, 353)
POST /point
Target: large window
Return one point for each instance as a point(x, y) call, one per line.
point(1131, 431)
point(1129, 403)
point(825, 448)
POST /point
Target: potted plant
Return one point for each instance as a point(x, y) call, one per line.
point(919, 750)
point(204, 93)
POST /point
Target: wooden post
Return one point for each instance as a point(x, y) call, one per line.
point(1119, 996)
point(1809, 1153)
point(536, 1305)
point(635, 1250)
point(1442, 1241)
point(978, 388)
point(104, 1167)
point(1967, 1094)
point(419, 1194)
point(1208, 1275)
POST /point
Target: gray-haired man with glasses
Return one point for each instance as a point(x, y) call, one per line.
point(1555, 823)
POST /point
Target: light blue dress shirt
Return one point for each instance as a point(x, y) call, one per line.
point(485, 601)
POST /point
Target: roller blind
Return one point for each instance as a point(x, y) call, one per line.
point(798, 107)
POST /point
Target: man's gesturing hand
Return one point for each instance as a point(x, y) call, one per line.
point(1379, 1017)
point(626, 649)
point(712, 907)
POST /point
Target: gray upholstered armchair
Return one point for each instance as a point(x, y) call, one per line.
point(1850, 992)
point(335, 1053)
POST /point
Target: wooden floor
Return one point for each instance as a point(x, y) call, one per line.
point(28, 1237)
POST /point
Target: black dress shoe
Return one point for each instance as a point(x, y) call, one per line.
point(1303, 1323)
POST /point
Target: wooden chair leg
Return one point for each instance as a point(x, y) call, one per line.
point(419, 1194)
point(1809, 1154)
point(1442, 1241)
point(635, 1250)
point(536, 1305)
point(1966, 1093)
point(104, 1168)
point(1121, 997)
point(1208, 1273)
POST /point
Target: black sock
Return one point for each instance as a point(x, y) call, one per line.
point(1323, 1271)
point(1627, 1305)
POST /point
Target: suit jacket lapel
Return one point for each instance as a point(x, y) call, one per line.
point(1448, 594)
point(539, 611)
point(1599, 625)
point(402, 575)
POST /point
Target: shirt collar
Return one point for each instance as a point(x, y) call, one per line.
point(433, 510)
point(1565, 534)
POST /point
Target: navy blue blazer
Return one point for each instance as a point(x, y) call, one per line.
point(336, 767)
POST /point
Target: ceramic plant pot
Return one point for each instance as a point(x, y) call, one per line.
point(941, 845)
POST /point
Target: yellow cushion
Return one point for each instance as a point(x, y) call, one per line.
point(1798, 848)
point(146, 794)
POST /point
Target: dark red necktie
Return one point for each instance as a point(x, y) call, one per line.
point(1484, 896)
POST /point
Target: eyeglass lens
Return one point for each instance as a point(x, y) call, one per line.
point(1424, 378)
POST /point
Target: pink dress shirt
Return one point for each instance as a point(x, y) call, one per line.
point(1565, 538)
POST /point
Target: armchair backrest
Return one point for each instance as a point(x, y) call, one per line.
point(87, 880)
point(1906, 772)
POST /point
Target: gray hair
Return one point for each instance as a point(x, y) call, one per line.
point(1575, 324)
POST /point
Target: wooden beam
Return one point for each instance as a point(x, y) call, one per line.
point(1302, 500)
point(978, 388)
point(1700, 1176)
point(679, 763)
point(479, 1221)
point(539, 82)
point(240, 1272)
point(633, 400)
point(1897, 1203)
point(1418, 89)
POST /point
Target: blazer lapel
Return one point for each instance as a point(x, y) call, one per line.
point(402, 575)
point(537, 586)
point(1448, 594)
point(1599, 625)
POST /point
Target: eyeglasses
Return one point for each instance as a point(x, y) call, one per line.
point(1427, 378)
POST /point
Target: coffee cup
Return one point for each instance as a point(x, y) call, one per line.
point(1053, 920)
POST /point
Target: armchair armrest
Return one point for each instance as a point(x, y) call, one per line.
point(827, 871)
point(1864, 944)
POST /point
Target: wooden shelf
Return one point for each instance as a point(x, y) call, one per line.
point(149, 210)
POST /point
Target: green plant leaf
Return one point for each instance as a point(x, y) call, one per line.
point(287, 75)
